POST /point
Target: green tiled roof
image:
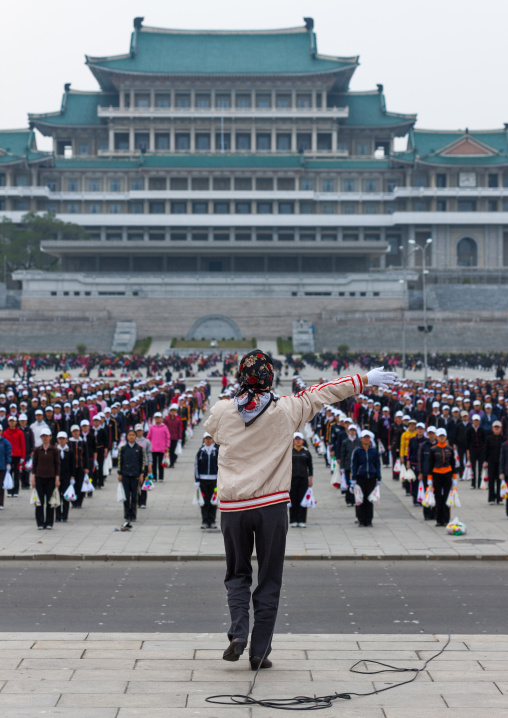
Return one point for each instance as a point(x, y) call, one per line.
point(367, 109)
point(78, 109)
point(428, 146)
point(19, 146)
point(158, 51)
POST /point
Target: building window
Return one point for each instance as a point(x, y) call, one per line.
point(493, 180)
point(329, 237)
point(103, 145)
point(242, 208)
point(286, 207)
point(492, 205)
point(72, 185)
point(362, 148)
point(94, 185)
point(441, 182)
point(243, 140)
point(390, 185)
point(222, 141)
point(115, 185)
point(466, 205)
point(127, 99)
point(304, 101)
point(178, 183)
point(283, 101)
point(162, 141)
point(121, 141)
point(136, 184)
point(52, 207)
point(264, 207)
point(51, 184)
point(142, 99)
point(182, 141)
point(201, 184)
point(303, 141)
point(178, 236)
point(349, 185)
point(264, 184)
point(115, 208)
point(284, 141)
point(370, 208)
point(324, 141)
point(223, 184)
point(135, 237)
point(200, 208)
point(307, 207)
point(221, 207)
point(263, 101)
point(350, 237)
point(307, 237)
point(343, 147)
point(161, 100)
point(141, 141)
point(182, 101)
point(441, 205)
point(223, 101)
point(84, 148)
point(263, 141)
point(349, 208)
point(421, 181)
point(328, 207)
point(203, 101)
point(328, 185)
point(243, 184)
point(286, 236)
point(178, 207)
point(243, 101)
point(136, 208)
point(243, 236)
point(467, 252)
point(306, 184)
point(94, 208)
point(157, 207)
point(286, 184)
point(202, 141)
point(370, 185)
point(72, 207)
point(420, 205)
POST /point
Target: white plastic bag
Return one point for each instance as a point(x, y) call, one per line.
point(503, 490)
point(321, 448)
point(456, 527)
point(485, 479)
point(429, 500)
point(375, 495)
point(114, 452)
point(29, 464)
point(453, 498)
point(396, 466)
point(34, 498)
point(403, 471)
point(380, 447)
point(468, 472)
point(8, 481)
point(307, 431)
point(87, 487)
point(336, 477)
point(70, 494)
point(421, 492)
point(199, 499)
point(410, 475)
point(178, 448)
point(344, 486)
point(215, 498)
point(358, 495)
point(55, 499)
point(120, 492)
point(308, 501)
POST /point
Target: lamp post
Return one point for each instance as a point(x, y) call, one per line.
point(423, 250)
point(404, 287)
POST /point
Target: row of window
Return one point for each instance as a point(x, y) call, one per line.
point(246, 235)
point(243, 142)
point(492, 180)
point(223, 100)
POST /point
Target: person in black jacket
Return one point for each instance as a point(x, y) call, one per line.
point(503, 466)
point(301, 479)
point(346, 451)
point(29, 448)
point(206, 468)
point(493, 444)
point(366, 471)
point(442, 475)
point(131, 463)
point(384, 426)
point(461, 428)
point(429, 512)
point(101, 443)
point(67, 462)
point(475, 441)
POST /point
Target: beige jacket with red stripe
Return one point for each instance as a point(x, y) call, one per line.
point(255, 460)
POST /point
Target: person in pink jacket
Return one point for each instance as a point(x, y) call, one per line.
point(158, 435)
point(175, 427)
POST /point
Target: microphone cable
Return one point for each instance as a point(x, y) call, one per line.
point(314, 703)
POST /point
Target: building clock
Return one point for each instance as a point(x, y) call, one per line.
point(467, 179)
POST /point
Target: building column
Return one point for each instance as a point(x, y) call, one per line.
point(131, 139)
point(334, 140)
point(314, 138)
point(111, 141)
point(151, 144)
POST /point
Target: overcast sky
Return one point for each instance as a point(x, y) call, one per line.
point(446, 60)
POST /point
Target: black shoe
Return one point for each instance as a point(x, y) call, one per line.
point(255, 663)
point(235, 649)
point(58, 519)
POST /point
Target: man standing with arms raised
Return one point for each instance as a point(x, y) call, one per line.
point(255, 432)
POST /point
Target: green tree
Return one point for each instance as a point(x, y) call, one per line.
point(20, 244)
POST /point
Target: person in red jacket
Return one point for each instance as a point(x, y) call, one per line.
point(175, 426)
point(16, 437)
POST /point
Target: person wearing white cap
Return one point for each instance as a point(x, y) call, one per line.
point(366, 472)
point(442, 475)
point(101, 449)
point(349, 444)
point(66, 475)
point(205, 474)
point(45, 478)
point(91, 451)
point(146, 445)
point(38, 425)
point(493, 444)
point(429, 512)
point(29, 447)
point(16, 438)
point(488, 418)
point(158, 435)
point(79, 448)
point(301, 479)
point(404, 447)
point(396, 432)
point(175, 428)
point(413, 452)
point(5, 463)
point(475, 443)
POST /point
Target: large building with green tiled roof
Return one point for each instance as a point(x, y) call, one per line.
point(223, 155)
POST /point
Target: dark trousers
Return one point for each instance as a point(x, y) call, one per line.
point(15, 475)
point(99, 471)
point(208, 512)
point(44, 514)
point(25, 479)
point(130, 485)
point(172, 456)
point(349, 495)
point(365, 511)
point(476, 456)
point(62, 511)
point(79, 475)
point(2, 492)
point(395, 456)
point(143, 495)
point(442, 485)
point(462, 451)
point(299, 486)
point(184, 438)
point(158, 468)
point(494, 483)
point(267, 527)
point(414, 485)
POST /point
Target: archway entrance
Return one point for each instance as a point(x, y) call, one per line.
point(214, 326)
point(467, 253)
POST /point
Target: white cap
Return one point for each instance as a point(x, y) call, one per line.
point(441, 432)
point(38, 411)
point(476, 417)
point(435, 405)
point(431, 430)
point(61, 435)
point(368, 433)
point(420, 425)
point(157, 413)
point(354, 427)
point(297, 435)
point(173, 406)
point(138, 427)
point(84, 422)
point(45, 431)
point(455, 408)
point(206, 435)
point(487, 406)
point(476, 402)
point(23, 417)
point(74, 427)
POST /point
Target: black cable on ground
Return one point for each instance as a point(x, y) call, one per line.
point(314, 703)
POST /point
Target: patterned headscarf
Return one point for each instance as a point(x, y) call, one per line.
point(255, 376)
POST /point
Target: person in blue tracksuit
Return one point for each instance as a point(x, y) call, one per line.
point(366, 472)
point(206, 469)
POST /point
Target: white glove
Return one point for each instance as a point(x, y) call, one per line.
point(73, 481)
point(8, 467)
point(454, 482)
point(379, 377)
